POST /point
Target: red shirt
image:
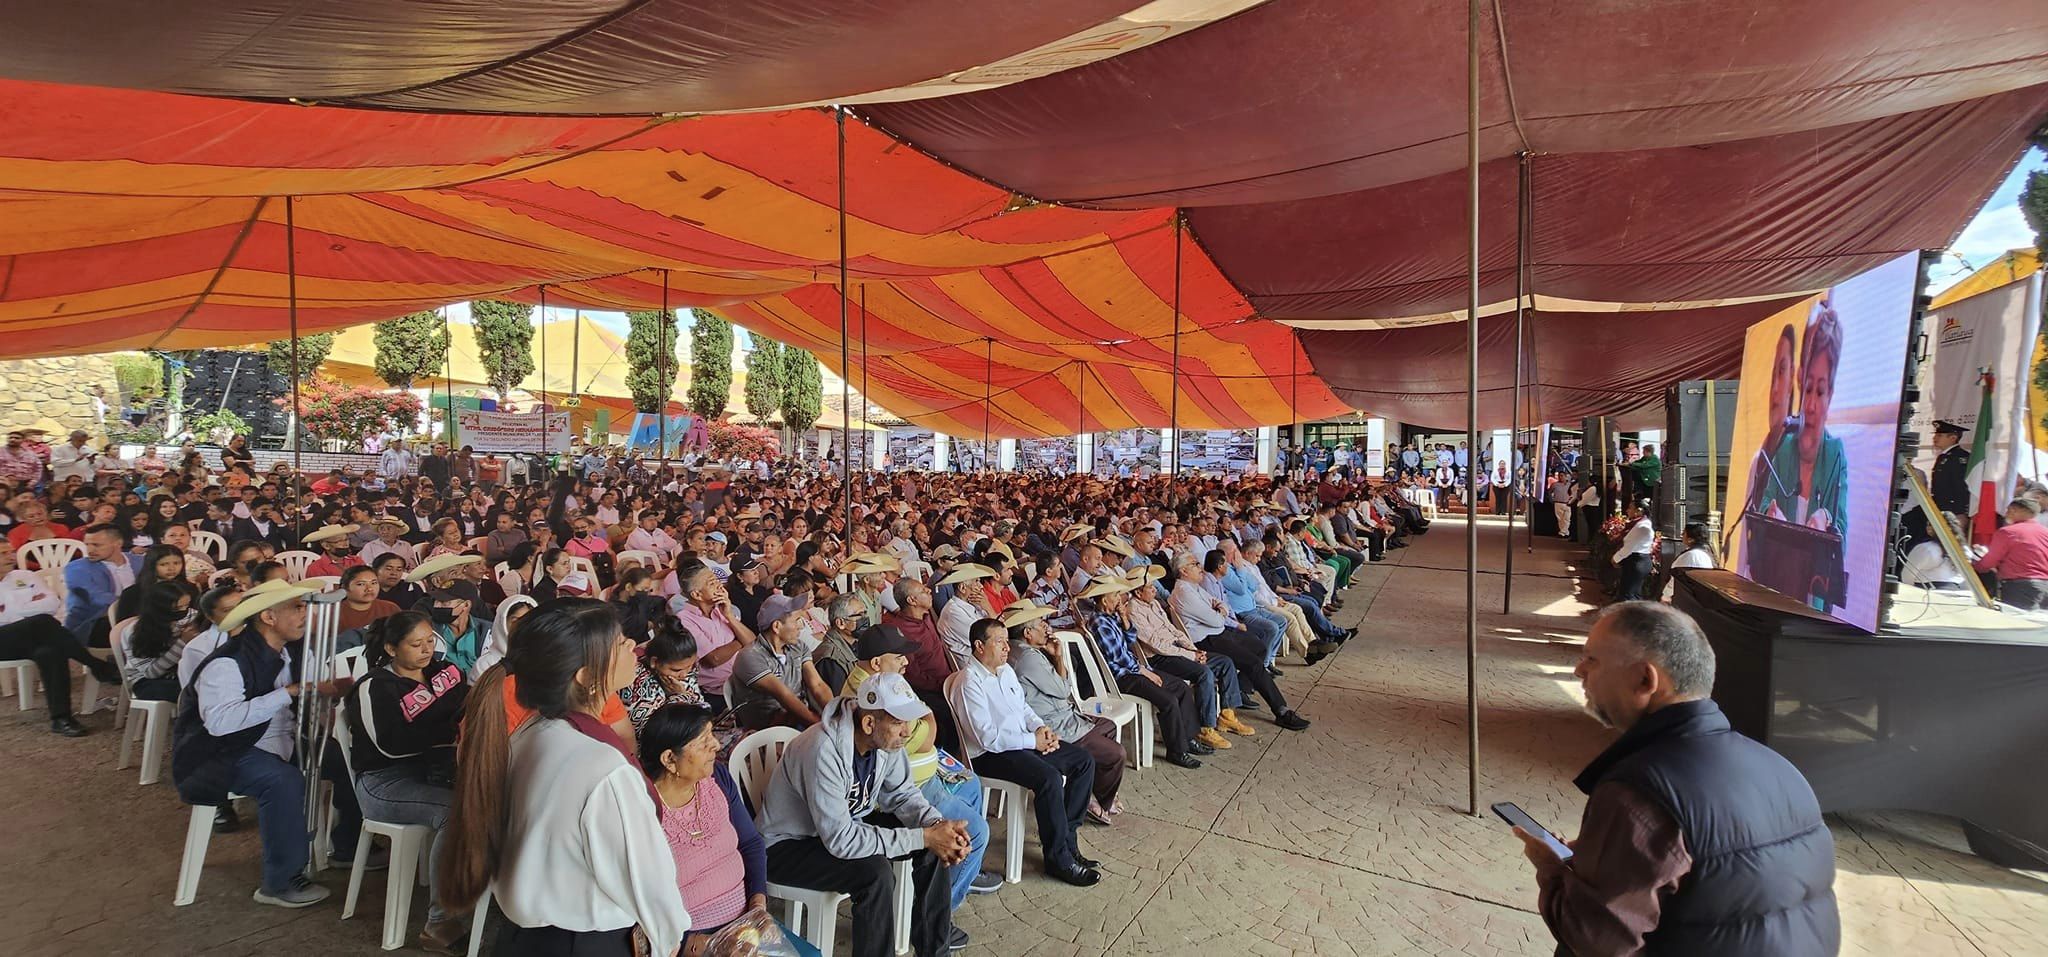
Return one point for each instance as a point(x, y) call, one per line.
point(2017, 551)
point(928, 664)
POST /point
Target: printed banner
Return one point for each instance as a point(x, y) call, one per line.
point(1986, 332)
point(512, 431)
point(681, 432)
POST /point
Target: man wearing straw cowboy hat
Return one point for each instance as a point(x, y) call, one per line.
point(1042, 671)
point(1172, 698)
point(389, 528)
point(333, 544)
point(969, 604)
point(235, 731)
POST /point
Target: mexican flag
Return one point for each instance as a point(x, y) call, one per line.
point(1984, 520)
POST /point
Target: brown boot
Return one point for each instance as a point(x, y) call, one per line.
point(1227, 721)
point(1210, 737)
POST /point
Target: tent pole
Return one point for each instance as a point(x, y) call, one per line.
point(988, 385)
point(1507, 579)
point(662, 348)
point(845, 365)
point(1173, 416)
point(1081, 392)
point(448, 376)
point(542, 377)
point(1472, 406)
point(1525, 226)
point(867, 454)
point(846, 384)
point(291, 273)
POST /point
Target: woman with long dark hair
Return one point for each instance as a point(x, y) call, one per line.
point(402, 720)
point(165, 622)
point(160, 563)
point(560, 804)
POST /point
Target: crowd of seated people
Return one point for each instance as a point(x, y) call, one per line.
point(647, 618)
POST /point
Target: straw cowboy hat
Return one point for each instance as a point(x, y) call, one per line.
point(441, 563)
point(326, 532)
point(967, 573)
point(1140, 574)
point(1002, 548)
point(882, 561)
point(1111, 584)
point(389, 520)
point(1021, 611)
point(1074, 531)
point(1114, 545)
point(258, 599)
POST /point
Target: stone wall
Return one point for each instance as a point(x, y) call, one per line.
point(58, 389)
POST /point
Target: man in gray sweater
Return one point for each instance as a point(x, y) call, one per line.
point(825, 818)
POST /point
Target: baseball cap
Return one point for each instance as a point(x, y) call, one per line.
point(887, 692)
point(875, 641)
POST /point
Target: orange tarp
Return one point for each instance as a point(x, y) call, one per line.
point(142, 220)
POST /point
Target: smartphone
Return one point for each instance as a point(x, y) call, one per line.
point(1507, 811)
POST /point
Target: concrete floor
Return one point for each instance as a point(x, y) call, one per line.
point(1349, 839)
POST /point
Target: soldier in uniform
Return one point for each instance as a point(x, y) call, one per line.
point(1950, 483)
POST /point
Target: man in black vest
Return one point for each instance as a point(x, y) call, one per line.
point(1695, 839)
point(235, 729)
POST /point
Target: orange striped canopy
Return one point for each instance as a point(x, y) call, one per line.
point(144, 220)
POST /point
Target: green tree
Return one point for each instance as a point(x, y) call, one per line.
point(764, 378)
point(803, 390)
point(313, 350)
point(710, 365)
point(652, 337)
point(410, 347)
point(504, 342)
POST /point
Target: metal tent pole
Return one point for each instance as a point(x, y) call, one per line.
point(291, 280)
point(845, 366)
point(662, 349)
point(1081, 396)
point(448, 377)
point(1173, 415)
point(988, 385)
point(1472, 406)
point(542, 376)
point(866, 440)
point(1507, 578)
point(1525, 232)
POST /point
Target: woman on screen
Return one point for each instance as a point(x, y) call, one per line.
point(1810, 459)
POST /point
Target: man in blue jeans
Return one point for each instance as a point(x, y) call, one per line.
point(1239, 589)
point(234, 732)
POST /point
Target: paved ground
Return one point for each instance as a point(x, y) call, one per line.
point(1346, 840)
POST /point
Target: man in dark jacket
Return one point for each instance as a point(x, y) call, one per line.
point(1695, 839)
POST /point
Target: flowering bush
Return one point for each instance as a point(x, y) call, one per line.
point(729, 441)
point(349, 414)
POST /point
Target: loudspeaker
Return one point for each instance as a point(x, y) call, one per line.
point(242, 383)
point(1687, 470)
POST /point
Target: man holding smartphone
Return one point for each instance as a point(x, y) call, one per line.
point(1695, 839)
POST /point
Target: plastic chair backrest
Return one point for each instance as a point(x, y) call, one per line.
point(578, 563)
point(952, 684)
point(1082, 654)
point(49, 553)
point(211, 544)
point(754, 760)
point(115, 640)
point(349, 663)
point(219, 576)
point(295, 563)
point(646, 558)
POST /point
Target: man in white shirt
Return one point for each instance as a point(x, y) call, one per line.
point(72, 460)
point(650, 537)
point(1006, 739)
point(235, 732)
point(389, 527)
point(397, 461)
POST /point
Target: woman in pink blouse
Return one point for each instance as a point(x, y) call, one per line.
point(721, 863)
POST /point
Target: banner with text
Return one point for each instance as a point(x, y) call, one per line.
point(513, 431)
point(1989, 331)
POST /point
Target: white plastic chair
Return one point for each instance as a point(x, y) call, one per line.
point(1007, 800)
point(320, 582)
point(477, 916)
point(211, 544)
point(295, 563)
point(154, 724)
point(752, 764)
point(578, 563)
point(411, 845)
point(1081, 653)
point(50, 555)
point(647, 559)
point(198, 833)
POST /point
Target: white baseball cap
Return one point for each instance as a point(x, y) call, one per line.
point(889, 692)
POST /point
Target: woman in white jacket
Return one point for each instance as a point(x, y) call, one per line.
point(553, 814)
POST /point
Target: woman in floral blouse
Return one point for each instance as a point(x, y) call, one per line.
point(667, 675)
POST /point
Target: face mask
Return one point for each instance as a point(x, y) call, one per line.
point(443, 616)
point(185, 620)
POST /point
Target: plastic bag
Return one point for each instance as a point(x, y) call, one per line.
point(754, 934)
